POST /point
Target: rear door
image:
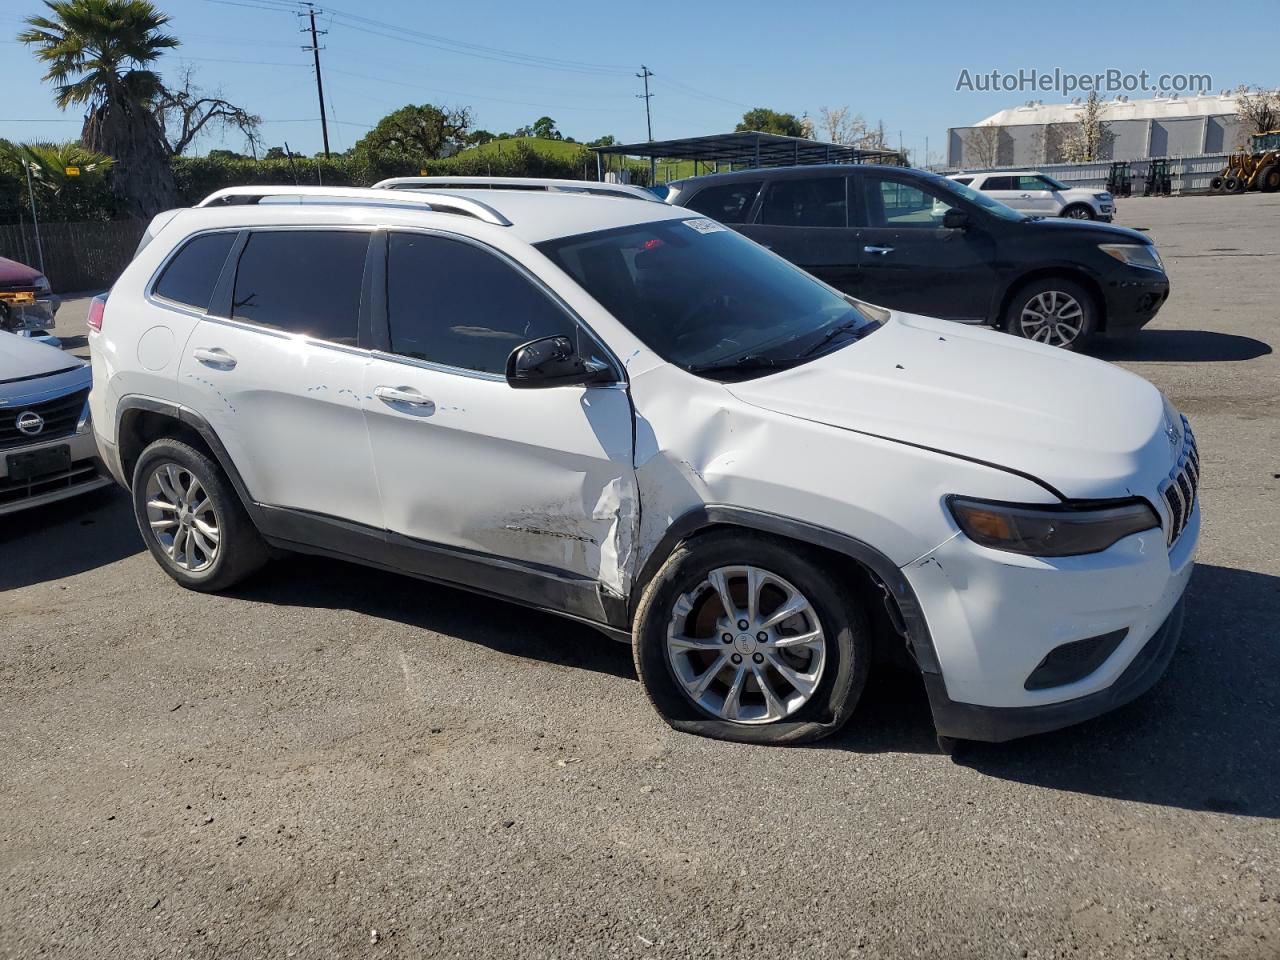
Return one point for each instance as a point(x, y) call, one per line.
point(277, 369)
point(523, 484)
point(806, 220)
point(910, 261)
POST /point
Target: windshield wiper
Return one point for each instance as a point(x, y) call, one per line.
point(742, 364)
point(832, 334)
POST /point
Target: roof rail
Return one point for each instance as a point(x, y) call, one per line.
point(358, 196)
point(517, 183)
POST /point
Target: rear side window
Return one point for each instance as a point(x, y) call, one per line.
point(1000, 183)
point(193, 272)
point(453, 303)
point(303, 281)
point(728, 203)
point(805, 203)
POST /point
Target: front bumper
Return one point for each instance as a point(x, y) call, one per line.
point(86, 473)
point(1133, 298)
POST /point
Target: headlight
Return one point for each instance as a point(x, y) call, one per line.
point(1051, 531)
point(1102, 196)
point(42, 284)
point(1134, 254)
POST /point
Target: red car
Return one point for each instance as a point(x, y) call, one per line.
point(26, 301)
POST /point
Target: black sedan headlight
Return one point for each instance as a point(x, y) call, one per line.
point(1142, 255)
point(1065, 530)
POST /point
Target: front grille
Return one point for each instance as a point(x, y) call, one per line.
point(13, 491)
point(1180, 490)
point(60, 415)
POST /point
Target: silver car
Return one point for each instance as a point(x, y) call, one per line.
point(47, 450)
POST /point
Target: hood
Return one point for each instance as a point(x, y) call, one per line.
point(22, 358)
point(1087, 230)
point(15, 274)
point(1082, 427)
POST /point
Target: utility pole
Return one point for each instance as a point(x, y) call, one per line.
point(315, 51)
point(644, 74)
point(35, 221)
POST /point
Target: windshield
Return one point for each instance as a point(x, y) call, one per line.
point(993, 207)
point(708, 299)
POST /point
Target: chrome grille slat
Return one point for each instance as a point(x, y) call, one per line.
point(1179, 491)
point(61, 416)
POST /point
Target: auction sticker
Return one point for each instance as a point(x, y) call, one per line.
point(703, 225)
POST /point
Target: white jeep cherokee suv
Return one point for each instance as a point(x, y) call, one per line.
point(640, 419)
point(1040, 195)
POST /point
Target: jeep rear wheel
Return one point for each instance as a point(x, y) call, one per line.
point(191, 519)
point(742, 637)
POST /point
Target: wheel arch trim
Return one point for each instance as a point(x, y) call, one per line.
point(708, 516)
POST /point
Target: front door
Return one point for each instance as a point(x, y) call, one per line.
point(529, 488)
point(910, 261)
point(277, 370)
point(1037, 196)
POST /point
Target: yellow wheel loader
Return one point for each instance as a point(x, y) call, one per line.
point(1259, 169)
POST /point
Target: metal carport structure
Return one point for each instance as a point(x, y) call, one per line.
point(748, 148)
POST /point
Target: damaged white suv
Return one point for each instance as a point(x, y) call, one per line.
point(610, 409)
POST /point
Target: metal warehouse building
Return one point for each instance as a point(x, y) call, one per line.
point(1034, 134)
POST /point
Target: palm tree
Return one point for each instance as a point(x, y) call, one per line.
point(98, 53)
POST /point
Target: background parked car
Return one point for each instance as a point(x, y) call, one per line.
point(921, 243)
point(47, 449)
point(1040, 195)
point(26, 300)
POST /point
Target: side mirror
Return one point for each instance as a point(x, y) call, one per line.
point(552, 362)
point(955, 219)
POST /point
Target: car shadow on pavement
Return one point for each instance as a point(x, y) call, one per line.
point(68, 537)
point(304, 581)
point(1206, 737)
point(1180, 346)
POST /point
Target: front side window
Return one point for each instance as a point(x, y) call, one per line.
point(303, 281)
point(452, 303)
point(1033, 183)
point(728, 202)
point(818, 202)
point(707, 299)
point(192, 274)
point(894, 203)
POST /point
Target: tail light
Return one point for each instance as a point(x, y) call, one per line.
point(97, 307)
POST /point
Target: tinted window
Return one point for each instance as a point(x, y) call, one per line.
point(1000, 183)
point(303, 281)
point(805, 203)
point(191, 275)
point(892, 203)
point(451, 302)
point(965, 180)
point(728, 203)
point(700, 294)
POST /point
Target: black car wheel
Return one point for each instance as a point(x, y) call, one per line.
point(1078, 211)
point(1053, 311)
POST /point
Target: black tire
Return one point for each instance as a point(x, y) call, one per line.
point(240, 550)
point(1231, 185)
point(1215, 184)
point(1078, 211)
point(1269, 178)
point(1024, 296)
point(844, 623)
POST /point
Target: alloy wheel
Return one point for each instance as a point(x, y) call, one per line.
point(746, 645)
point(1052, 317)
point(1078, 213)
point(182, 517)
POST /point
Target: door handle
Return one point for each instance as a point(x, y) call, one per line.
point(214, 357)
point(881, 251)
point(1025, 196)
point(406, 395)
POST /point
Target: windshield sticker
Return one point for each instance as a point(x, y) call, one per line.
point(703, 225)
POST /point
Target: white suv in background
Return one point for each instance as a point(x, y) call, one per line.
point(1040, 195)
point(635, 417)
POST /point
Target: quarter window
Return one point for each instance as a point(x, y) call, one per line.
point(193, 273)
point(816, 202)
point(728, 203)
point(303, 281)
point(452, 303)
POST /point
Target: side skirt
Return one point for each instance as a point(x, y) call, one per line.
point(541, 588)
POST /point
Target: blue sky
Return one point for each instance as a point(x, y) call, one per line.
point(893, 62)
